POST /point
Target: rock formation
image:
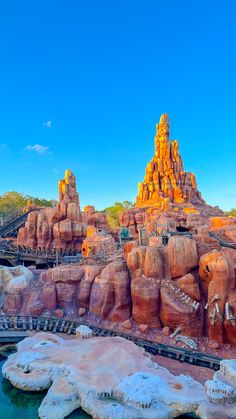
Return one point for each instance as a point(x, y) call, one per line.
point(97, 219)
point(96, 243)
point(165, 179)
point(168, 195)
point(221, 392)
point(169, 286)
point(108, 377)
point(60, 227)
point(188, 283)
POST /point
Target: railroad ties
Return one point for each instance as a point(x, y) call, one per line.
point(19, 325)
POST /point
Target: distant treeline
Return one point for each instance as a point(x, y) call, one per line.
point(14, 201)
point(231, 213)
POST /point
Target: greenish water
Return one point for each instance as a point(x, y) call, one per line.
point(18, 404)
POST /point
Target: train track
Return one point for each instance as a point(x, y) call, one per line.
point(15, 255)
point(221, 241)
point(55, 325)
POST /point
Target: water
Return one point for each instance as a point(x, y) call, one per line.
point(18, 404)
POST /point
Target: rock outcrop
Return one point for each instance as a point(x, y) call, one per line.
point(60, 227)
point(166, 286)
point(165, 180)
point(221, 392)
point(97, 219)
point(216, 271)
point(110, 294)
point(181, 255)
point(168, 195)
point(145, 294)
point(97, 244)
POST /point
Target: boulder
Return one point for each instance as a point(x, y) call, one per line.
point(166, 331)
point(181, 255)
point(189, 285)
point(127, 324)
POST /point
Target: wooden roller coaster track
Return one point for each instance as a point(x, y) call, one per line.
point(221, 241)
point(23, 323)
point(16, 255)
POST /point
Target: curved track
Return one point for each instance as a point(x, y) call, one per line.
point(221, 241)
point(11, 227)
point(55, 325)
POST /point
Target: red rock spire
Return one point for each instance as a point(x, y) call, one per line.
point(165, 180)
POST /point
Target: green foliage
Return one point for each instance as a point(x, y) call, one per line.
point(115, 211)
point(231, 213)
point(13, 201)
point(10, 202)
point(41, 202)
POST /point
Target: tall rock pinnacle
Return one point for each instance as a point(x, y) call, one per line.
point(59, 227)
point(165, 180)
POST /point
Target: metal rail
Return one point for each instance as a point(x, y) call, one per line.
point(10, 228)
point(221, 241)
point(55, 325)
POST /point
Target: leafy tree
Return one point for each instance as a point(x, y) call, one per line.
point(232, 212)
point(11, 202)
point(115, 211)
point(41, 202)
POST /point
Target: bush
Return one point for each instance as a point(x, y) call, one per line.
point(115, 211)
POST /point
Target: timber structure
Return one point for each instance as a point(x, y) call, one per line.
point(56, 325)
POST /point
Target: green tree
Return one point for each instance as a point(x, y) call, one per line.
point(40, 202)
point(115, 211)
point(11, 202)
point(231, 213)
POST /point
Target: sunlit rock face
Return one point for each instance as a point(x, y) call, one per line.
point(16, 291)
point(168, 191)
point(108, 377)
point(96, 243)
point(216, 271)
point(97, 219)
point(165, 179)
point(60, 227)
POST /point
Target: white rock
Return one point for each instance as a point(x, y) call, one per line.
point(83, 332)
point(110, 378)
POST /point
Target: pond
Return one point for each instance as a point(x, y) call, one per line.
point(20, 404)
point(15, 403)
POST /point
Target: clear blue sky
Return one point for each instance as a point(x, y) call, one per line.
point(103, 71)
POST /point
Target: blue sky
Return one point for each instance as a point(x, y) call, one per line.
point(88, 80)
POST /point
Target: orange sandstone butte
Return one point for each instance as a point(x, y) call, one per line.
point(59, 227)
